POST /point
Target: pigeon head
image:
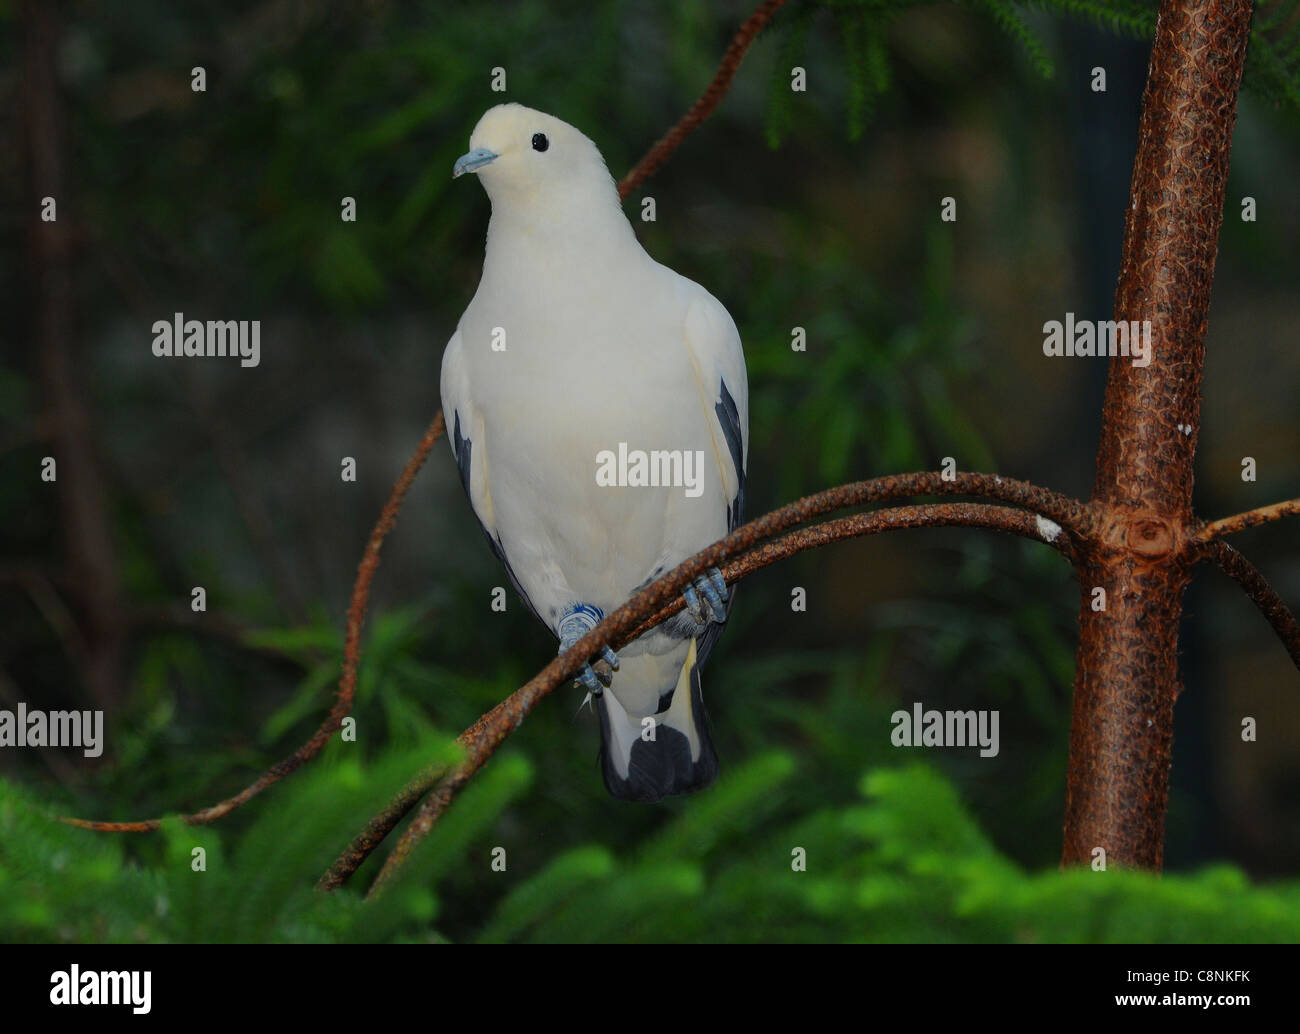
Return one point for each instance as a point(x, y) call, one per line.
point(525, 156)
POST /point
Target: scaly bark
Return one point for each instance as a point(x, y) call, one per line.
point(1144, 543)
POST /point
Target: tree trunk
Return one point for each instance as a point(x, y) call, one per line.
point(91, 554)
point(1126, 673)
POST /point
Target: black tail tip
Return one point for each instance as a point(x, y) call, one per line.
point(641, 768)
point(662, 768)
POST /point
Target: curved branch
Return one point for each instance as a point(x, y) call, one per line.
point(351, 660)
point(747, 555)
point(1238, 522)
point(928, 515)
point(973, 515)
point(709, 99)
point(1263, 595)
point(361, 846)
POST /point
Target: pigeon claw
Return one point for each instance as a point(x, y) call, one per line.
point(577, 621)
point(588, 679)
point(706, 598)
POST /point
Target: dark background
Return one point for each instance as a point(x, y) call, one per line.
point(818, 210)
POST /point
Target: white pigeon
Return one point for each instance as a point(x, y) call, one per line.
point(576, 348)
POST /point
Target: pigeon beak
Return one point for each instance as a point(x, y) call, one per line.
point(473, 161)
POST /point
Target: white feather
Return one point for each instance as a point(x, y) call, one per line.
point(602, 345)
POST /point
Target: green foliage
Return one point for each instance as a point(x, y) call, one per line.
point(907, 863)
point(864, 46)
point(1010, 21)
point(1272, 67)
point(888, 374)
point(1273, 60)
point(781, 99)
point(1134, 18)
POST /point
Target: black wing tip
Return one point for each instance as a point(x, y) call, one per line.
point(729, 419)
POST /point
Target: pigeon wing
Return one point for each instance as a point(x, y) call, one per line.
point(466, 429)
point(718, 362)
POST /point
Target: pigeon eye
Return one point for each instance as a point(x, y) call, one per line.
point(540, 143)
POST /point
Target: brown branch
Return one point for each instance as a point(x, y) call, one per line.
point(1263, 595)
point(1249, 519)
point(928, 515)
point(351, 660)
point(709, 99)
point(747, 552)
point(361, 846)
point(974, 515)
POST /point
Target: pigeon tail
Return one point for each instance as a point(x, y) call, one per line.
point(656, 756)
